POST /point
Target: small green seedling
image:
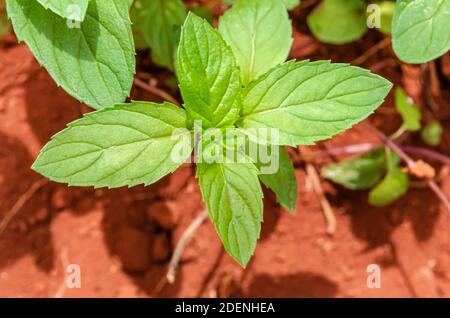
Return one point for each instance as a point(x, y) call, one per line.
point(232, 79)
point(377, 170)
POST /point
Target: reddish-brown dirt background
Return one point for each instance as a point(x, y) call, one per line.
point(122, 239)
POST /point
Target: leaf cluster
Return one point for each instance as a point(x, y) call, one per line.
point(231, 78)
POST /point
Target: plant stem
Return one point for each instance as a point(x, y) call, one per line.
point(427, 153)
point(363, 147)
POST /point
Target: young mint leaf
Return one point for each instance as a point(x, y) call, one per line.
point(432, 133)
point(338, 21)
point(311, 101)
point(409, 112)
point(393, 186)
point(70, 9)
point(208, 75)
point(283, 183)
point(233, 196)
point(259, 33)
point(94, 63)
point(128, 144)
point(159, 22)
point(420, 29)
point(359, 172)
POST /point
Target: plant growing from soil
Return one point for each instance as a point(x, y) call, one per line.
point(233, 78)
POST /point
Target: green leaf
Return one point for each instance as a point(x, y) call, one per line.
point(338, 21)
point(409, 112)
point(159, 22)
point(233, 196)
point(387, 12)
point(139, 41)
point(259, 33)
point(94, 63)
point(393, 186)
point(203, 11)
point(71, 9)
point(359, 172)
point(311, 101)
point(208, 75)
point(290, 4)
point(283, 183)
point(128, 144)
point(432, 133)
point(420, 29)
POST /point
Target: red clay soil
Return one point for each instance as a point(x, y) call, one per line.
point(122, 239)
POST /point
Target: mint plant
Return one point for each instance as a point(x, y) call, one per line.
point(231, 79)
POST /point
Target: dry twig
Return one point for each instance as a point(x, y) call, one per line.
point(363, 147)
point(328, 214)
point(65, 262)
point(372, 51)
point(155, 91)
point(9, 215)
point(181, 245)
